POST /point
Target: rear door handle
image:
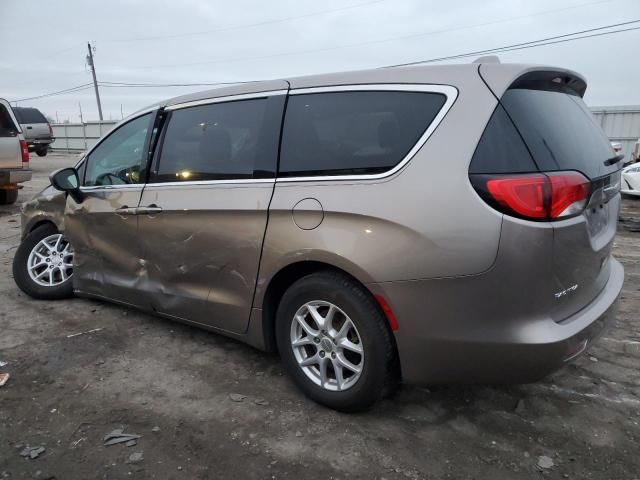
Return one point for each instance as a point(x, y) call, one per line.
point(29, 128)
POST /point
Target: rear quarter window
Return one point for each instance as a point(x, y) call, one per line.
point(355, 132)
point(501, 149)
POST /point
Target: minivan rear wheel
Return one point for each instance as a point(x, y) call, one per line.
point(43, 264)
point(334, 341)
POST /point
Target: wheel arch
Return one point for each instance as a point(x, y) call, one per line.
point(40, 223)
point(37, 222)
point(286, 277)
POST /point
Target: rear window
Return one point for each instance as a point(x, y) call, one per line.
point(29, 115)
point(7, 128)
point(340, 133)
point(559, 131)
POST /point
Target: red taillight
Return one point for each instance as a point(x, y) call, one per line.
point(50, 129)
point(536, 196)
point(24, 149)
point(524, 195)
point(569, 193)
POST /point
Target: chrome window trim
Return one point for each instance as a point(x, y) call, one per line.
point(196, 183)
point(450, 92)
point(226, 98)
point(125, 186)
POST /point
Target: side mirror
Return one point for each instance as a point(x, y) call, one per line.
point(66, 180)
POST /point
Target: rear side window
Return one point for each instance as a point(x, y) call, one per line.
point(218, 141)
point(341, 133)
point(559, 131)
point(7, 127)
point(29, 115)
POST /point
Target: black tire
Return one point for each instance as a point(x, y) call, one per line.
point(21, 275)
point(379, 373)
point(41, 151)
point(8, 197)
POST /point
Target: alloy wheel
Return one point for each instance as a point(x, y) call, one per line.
point(50, 262)
point(327, 346)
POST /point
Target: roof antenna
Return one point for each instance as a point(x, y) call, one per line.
point(487, 59)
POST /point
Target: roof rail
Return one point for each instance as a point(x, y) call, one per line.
point(487, 59)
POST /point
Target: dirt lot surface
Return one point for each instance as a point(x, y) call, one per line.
point(171, 384)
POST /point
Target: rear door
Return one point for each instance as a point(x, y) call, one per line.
point(562, 135)
point(203, 214)
point(10, 153)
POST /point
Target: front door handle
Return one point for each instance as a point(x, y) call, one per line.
point(124, 210)
point(149, 210)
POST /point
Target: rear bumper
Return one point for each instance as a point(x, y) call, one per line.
point(39, 142)
point(12, 176)
point(440, 348)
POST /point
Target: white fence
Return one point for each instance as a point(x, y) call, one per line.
point(79, 136)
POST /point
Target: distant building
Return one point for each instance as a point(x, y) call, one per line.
point(621, 124)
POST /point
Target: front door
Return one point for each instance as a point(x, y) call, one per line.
point(103, 227)
point(203, 214)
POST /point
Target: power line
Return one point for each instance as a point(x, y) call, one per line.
point(373, 42)
point(525, 45)
point(77, 88)
point(248, 25)
point(569, 37)
point(125, 84)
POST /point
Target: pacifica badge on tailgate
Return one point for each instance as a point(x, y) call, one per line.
point(566, 291)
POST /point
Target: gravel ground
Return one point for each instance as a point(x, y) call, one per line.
point(171, 384)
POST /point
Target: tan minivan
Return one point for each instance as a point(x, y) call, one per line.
point(430, 224)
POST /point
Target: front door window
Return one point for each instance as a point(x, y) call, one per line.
point(119, 159)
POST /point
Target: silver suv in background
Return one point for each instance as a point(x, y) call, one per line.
point(432, 224)
point(36, 129)
point(14, 155)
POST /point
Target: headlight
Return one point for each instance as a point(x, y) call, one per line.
point(635, 169)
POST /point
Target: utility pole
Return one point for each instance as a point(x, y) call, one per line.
point(95, 81)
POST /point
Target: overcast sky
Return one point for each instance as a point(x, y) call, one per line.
point(44, 43)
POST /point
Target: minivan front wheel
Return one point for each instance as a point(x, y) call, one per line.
point(334, 341)
point(43, 264)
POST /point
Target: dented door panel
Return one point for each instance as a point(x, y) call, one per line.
point(201, 252)
point(103, 234)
